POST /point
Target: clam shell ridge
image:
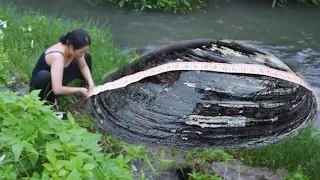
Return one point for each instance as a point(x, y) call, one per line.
point(199, 109)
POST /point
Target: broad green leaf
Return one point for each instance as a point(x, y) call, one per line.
point(45, 175)
point(74, 175)
point(72, 147)
point(20, 104)
point(64, 137)
point(64, 146)
point(88, 167)
point(83, 155)
point(60, 163)
point(108, 156)
point(14, 131)
point(90, 140)
point(28, 129)
point(74, 163)
point(10, 121)
point(88, 174)
point(36, 175)
point(28, 146)
point(17, 149)
point(33, 157)
point(56, 146)
point(51, 154)
point(11, 139)
point(46, 130)
point(48, 166)
point(76, 140)
point(120, 158)
point(70, 117)
point(34, 94)
point(62, 172)
point(78, 131)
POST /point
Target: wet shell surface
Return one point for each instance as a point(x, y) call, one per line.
point(200, 109)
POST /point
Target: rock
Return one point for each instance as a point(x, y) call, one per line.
point(19, 87)
point(22, 89)
point(4, 88)
point(16, 77)
point(163, 170)
point(236, 170)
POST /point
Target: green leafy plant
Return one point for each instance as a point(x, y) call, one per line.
point(297, 175)
point(205, 176)
point(5, 68)
point(36, 145)
point(33, 143)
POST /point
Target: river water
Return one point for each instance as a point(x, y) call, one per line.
point(290, 32)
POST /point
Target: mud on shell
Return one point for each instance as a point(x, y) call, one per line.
point(198, 109)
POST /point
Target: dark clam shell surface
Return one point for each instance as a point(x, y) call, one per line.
point(198, 109)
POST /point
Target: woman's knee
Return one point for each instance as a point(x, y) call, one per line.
point(42, 79)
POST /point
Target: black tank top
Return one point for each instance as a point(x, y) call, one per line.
point(42, 64)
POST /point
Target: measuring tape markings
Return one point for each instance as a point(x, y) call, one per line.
point(254, 69)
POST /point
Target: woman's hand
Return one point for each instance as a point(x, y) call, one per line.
point(84, 92)
point(91, 86)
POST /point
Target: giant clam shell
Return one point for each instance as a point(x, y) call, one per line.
point(197, 109)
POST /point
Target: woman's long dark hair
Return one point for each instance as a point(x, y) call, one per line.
point(78, 38)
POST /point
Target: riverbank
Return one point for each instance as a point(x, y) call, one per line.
point(36, 32)
point(24, 39)
point(34, 143)
point(186, 5)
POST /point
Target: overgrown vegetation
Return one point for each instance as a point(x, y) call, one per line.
point(300, 155)
point(34, 144)
point(26, 38)
point(5, 68)
point(183, 5)
point(199, 160)
point(282, 2)
point(162, 5)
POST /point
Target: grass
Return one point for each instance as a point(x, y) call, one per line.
point(301, 153)
point(45, 31)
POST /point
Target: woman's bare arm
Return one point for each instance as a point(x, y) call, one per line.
point(57, 66)
point(85, 71)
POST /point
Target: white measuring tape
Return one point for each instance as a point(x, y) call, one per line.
point(255, 69)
